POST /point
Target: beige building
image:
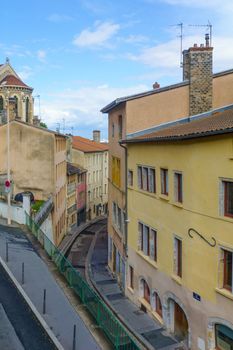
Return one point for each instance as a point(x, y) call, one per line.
point(93, 156)
point(130, 116)
point(37, 164)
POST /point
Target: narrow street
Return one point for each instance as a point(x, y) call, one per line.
point(90, 249)
point(37, 278)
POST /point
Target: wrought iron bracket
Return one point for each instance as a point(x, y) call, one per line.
point(212, 244)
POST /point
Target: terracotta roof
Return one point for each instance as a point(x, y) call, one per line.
point(11, 80)
point(212, 123)
point(88, 146)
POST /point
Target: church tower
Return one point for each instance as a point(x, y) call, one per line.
point(15, 92)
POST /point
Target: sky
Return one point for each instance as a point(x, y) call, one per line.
point(79, 55)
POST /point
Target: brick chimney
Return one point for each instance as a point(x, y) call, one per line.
point(96, 135)
point(197, 68)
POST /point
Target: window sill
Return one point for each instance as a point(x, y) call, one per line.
point(226, 218)
point(157, 317)
point(226, 293)
point(164, 197)
point(147, 259)
point(177, 279)
point(145, 303)
point(130, 290)
point(178, 204)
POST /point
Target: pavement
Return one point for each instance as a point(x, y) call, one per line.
point(151, 332)
point(60, 314)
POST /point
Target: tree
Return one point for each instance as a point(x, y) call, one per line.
point(43, 125)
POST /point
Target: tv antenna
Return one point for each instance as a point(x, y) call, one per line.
point(208, 26)
point(181, 36)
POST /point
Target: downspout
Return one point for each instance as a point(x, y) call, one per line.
point(126, 201)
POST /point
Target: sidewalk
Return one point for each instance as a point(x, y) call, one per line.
point(60, 315)
point(151, 332)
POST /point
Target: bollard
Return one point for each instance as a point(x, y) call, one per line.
point(23, 273)
point(7, 257)
point(74, 338)
point(44, 302)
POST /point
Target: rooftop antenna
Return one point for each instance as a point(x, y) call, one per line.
point(64, 125)
point(209, 28)
point(58, 128)
point(181, 36)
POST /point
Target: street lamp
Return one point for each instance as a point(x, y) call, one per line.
point(3, 84)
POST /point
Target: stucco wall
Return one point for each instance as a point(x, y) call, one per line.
point(203, 163)
point(31, 159)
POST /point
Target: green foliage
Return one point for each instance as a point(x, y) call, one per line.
point(43, 125)
point(36, 206)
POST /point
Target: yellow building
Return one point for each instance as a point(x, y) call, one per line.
point(200, 91)
point(180, 231)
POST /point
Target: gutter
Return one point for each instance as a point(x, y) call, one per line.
point(181, 137)
point(126, 200)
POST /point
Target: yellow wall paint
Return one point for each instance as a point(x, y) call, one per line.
point(202, 162)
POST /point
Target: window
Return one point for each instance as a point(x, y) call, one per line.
point(118, 217)
point(116, 171)
point(227, 270)
point(120, 126)
point(148, 241)
point(1, 103)
point(157, 304)
point(131, 277)
point(130, 177)
point(164, 181)
point(113, 131)
point(228, 198)
point(153, 244)
point(178, 257)
point(224, 337)
point(178, 186)
point(146, 179)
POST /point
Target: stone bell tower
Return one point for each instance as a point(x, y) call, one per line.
point(15, 94)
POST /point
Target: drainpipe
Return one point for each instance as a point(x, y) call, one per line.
point(126, 200)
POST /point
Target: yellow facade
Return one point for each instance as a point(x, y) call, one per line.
point(204, 164)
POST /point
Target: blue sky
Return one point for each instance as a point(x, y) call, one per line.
point(79, 55)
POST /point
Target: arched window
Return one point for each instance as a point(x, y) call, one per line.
point(146, 291)
point(16, 106)
point(224, 337)
point(157, 305)
point(27, 109)
point(1, 103)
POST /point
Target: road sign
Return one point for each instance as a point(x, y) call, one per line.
point(7, 186)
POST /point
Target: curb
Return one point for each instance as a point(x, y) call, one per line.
point(32, 307)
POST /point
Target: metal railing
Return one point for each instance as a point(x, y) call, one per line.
point(104, 317)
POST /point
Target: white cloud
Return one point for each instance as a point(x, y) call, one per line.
point(99, 36)
point(41, 55)
point(166, 56)
point(25, 72)
point(81, 108)
point(57, 18)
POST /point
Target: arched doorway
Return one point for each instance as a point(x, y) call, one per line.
point(180, 322)
point(223, 337)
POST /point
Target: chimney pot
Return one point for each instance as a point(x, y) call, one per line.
point(202, 45)
point(96, 135)
point(194, 45)
point(207, 40)
point(156, 85)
